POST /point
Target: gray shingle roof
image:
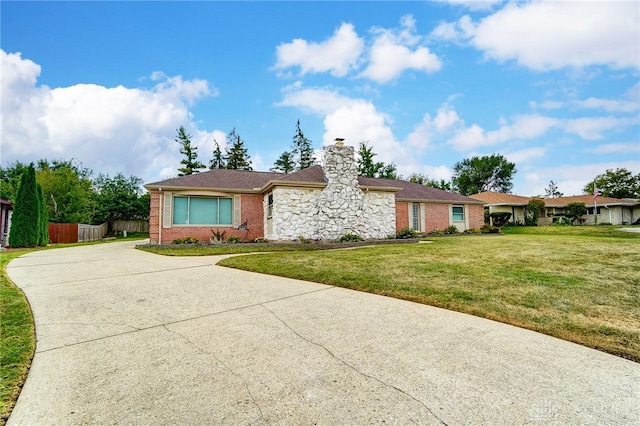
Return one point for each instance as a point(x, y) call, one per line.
point(250, 181)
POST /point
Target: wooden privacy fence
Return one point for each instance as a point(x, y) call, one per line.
point(75, 232)
point(131, 226)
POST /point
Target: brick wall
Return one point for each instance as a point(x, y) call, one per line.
point(251, 212)
point(436, 216)
point(476, 216)
point(402, 215)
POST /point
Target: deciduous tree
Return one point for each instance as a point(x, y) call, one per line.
point(616, 183)
point(487, 173)
point(119, 198)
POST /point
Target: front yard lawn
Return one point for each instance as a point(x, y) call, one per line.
point(580, 284)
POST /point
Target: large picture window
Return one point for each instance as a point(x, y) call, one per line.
point(202, 211)
point(457, 213)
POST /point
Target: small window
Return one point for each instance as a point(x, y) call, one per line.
point(270, 205)
point(458, 213)
point(415, 216)
point(202, 211)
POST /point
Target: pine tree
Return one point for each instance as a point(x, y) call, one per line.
point(302, 150)
point(25, 222)
point(285, 164)
point(190, 162)
point(552, 190)
point(217, 162)
point(43, 218)
point(236, 155)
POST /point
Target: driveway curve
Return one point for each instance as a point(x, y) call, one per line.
point(128, 337)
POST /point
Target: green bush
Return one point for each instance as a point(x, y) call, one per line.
point(489, 229)
point(451, 229)
point(406, 233)
point(350, 238)
point(472, 231)
point(186, 240)
point(561, 221)
point(259, 240)
point(26, 222)
point(234, 240)
point(500, 218)
point(436, 231)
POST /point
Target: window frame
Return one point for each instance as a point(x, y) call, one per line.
point(230, 209)
point(454, 214)
point(415, 216)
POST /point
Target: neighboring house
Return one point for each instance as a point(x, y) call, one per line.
point(499, 202)
point(317, 203)
point(607, 209)
point(6, 210)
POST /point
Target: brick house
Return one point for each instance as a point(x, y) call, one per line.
point(317, 203)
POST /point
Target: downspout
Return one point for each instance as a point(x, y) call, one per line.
point(607, 207)
point(160, 210)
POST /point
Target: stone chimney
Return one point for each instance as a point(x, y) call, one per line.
point(341, 203)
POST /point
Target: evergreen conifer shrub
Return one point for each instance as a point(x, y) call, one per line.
point(26, 219)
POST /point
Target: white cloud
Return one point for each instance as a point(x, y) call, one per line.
point(473, 4)
point(429, 129)
point(592, 128)
point(110, 130)
point(392, 53)
point(613, 148)
point(545, 35)
point(627, 103)
point(526, 155)
point(320, 101)
point(337, 55)
point(523, 127)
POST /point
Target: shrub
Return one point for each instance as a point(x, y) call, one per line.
point(186, 240)
point(472, 231)
point(451, 229)
point(561, 221)
point(259, 240)
point(489, 229)
point(436, 231)
point(406, 233)
point(234, 240)
point(500, 218)
point(350, 238)
point(218, 236)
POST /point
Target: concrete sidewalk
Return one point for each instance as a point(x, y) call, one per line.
point(128, 337)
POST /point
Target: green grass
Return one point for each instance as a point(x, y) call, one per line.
point(17, 337)
point(580, 284)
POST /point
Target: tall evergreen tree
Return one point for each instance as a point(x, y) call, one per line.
point(552, 190)
point(26, 220)
point(302, 150)
point(236, 155)
point(43, 218)
point(217, 162)
point(190, 163)
point(285, 164)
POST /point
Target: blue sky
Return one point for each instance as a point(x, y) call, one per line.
point(552, 86)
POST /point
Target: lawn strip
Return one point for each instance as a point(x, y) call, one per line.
point(17, 341)
point(581, 288)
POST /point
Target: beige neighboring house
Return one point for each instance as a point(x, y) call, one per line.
point(616, 211)
point(498, 202)
point(607, 209)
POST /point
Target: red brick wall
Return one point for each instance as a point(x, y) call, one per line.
point(251, 212)
point(436, 216)
point(154, 216)
point(476, 216)
point(402, 215)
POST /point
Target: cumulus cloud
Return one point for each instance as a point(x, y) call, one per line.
point(546, 35)
point(428, 130)
point(629, 102)
point(592, 128)
point(393, 52)
point(110, 129)
point(473, 4)
point(551, 35)
point(338, 54)
point(523, 127)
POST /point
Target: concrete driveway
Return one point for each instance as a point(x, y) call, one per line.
point(127, 337)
